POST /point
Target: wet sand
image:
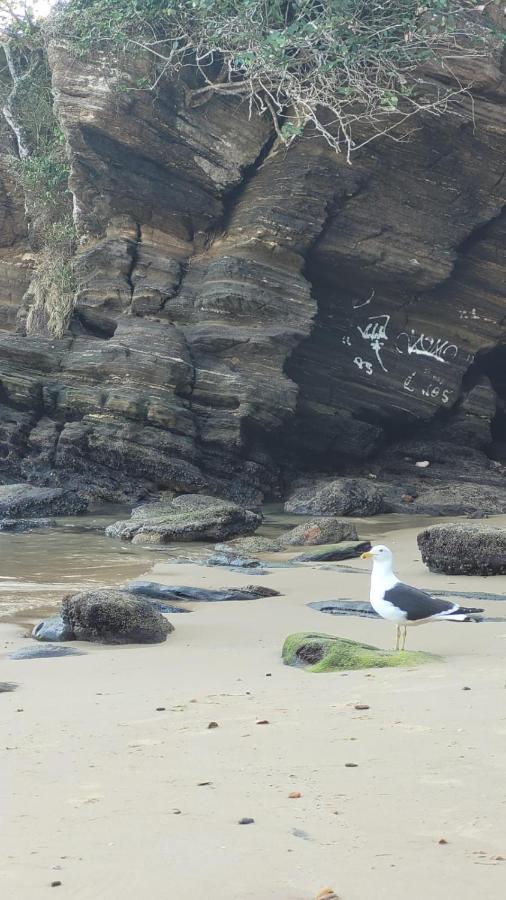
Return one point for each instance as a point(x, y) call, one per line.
point(117, 799)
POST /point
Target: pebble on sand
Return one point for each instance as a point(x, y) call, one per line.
point(263, 722)
point(213, 725)
point(327, 894)
point(351, 765)
point(362, 706)
point(246, 821)
point(294, 795)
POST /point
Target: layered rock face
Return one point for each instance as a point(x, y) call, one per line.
point(244, 311)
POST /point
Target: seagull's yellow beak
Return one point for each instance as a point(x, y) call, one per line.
point(366, 555)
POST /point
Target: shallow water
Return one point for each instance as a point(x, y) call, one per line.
point(38, 568)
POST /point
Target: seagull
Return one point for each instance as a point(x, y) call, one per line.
point(405, 605)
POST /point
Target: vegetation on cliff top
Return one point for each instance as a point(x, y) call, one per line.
point(348, 70)
point(338, 65)
point(41, 168)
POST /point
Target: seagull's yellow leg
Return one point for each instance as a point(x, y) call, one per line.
point(404, 637)
point(398, 633)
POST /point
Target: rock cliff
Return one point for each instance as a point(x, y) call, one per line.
point(246, 312)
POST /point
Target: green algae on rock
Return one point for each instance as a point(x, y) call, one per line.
point(327, 653)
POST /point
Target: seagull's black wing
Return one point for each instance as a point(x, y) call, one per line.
point(417, 604)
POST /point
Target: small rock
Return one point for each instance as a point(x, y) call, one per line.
point(424, 464)
point(334, 552)
point(351, 765)
point(44, 651)
point(55, 883)
point(466, 688)
point(53, 629)
point(203, 783)
point(442, 841)
point(246, 821)
point(294, 795)
point(361, 706)
point(407, 498)
point(160, 708)
point(263, 722)
point(176, 812)
point(213, 725)
point(327, 894)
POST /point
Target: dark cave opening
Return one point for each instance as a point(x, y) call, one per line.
point(492, 364)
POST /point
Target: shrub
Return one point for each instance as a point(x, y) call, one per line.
point(334, 63)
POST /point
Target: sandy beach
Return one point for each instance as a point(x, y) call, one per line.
point(113, 784)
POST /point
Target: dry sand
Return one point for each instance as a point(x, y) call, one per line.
point(103, 793)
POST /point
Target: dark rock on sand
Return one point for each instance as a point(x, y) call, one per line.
point(325, 530)
point(21, 525)
point(233, 560)
point(54, 629)
point(335, 552)
point(114, 617)
point(456, 549)
point(198, 595)
point(344, 608)
point(190, 517)
point(254, 544)
point(29, 500)
point(45, 651)
point(335, 497)
point(6, 687)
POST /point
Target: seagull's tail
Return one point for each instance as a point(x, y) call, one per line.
point(464, 614)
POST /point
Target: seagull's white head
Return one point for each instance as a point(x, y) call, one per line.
point(380, 554)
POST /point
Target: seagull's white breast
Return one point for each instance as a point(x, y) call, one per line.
point(382, 579)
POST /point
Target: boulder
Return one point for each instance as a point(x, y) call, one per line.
point(461, 499)
point(21, 525)
point(114, 617)
point(325, 530)
point(53, 629)
point(328, 653)
point(455, 549)
point(190, 517)
point(335, 552)
point(336, 497)
point(29, 500)
point(181, 592)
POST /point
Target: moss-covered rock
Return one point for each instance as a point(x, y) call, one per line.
point(327, 653)
point(190, 517)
